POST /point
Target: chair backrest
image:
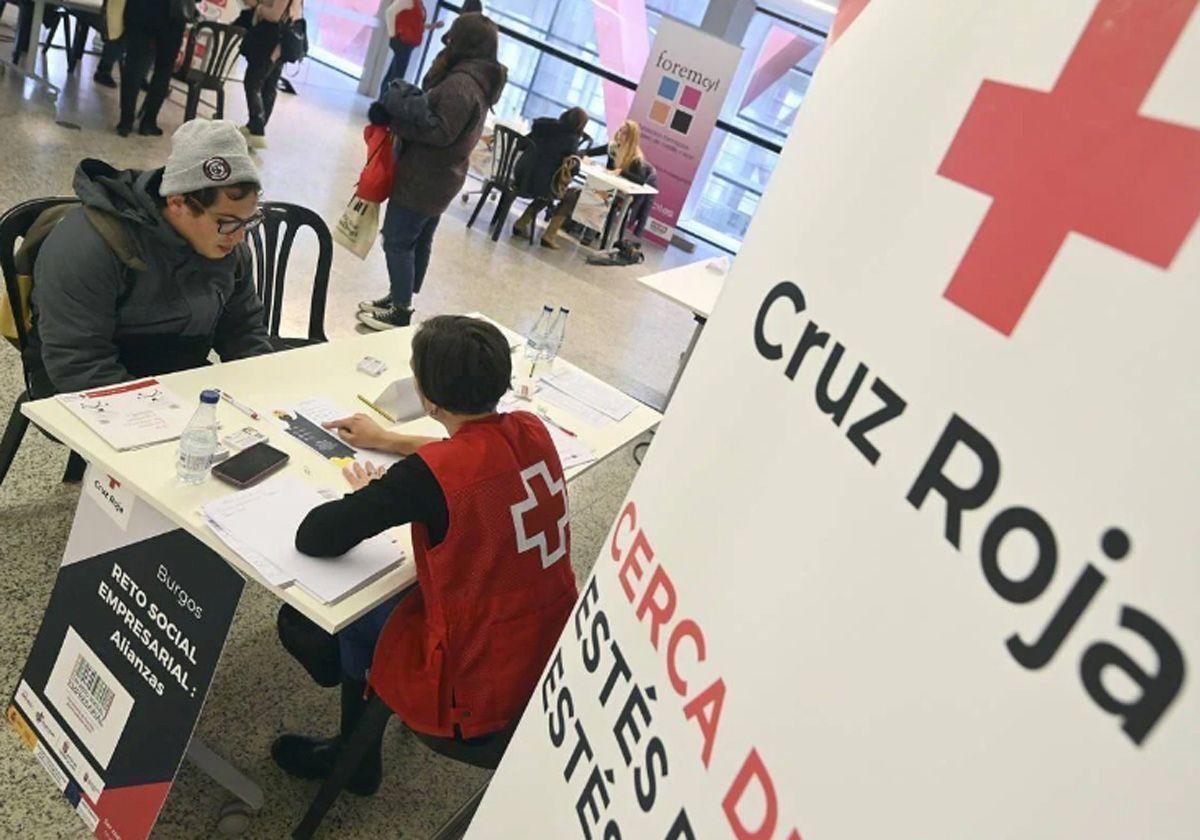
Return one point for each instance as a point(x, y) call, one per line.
point(271, 246)
point(221, 43)
point(506, 149)
point(14, 224)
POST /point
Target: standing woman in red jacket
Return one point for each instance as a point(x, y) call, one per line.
point(404, 22)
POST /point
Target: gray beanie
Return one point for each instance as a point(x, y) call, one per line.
point(207, 153)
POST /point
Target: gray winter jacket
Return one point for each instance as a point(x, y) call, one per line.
point(97, 322)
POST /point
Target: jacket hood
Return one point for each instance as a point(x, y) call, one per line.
point(128, 194)
point(490, 75)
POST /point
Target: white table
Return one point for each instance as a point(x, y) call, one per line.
point(278, 380)
point(695, 286)
point(275, 381)
point(600, 177)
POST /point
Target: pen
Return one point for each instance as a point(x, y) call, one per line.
point(561, 427)
point(374, 407)
point(240, 406)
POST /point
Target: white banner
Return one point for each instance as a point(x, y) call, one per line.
point(915, 552)
point(678, 101)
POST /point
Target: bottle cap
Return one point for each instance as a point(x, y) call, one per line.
point(210, 396)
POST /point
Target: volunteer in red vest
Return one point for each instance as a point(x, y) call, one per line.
point(458, 655)
point(404, 22)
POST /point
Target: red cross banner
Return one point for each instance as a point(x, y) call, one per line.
point(915, 552)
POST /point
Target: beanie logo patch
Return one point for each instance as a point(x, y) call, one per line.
point(217, 169)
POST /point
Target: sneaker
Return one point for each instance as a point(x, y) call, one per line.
point(254, 141)
point(388, 319)
point(104, 79)
point(150, 130)
point(124, 129)
point(315, 758)
point(376, 307)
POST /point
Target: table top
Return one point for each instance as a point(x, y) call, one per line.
point(599, 173)
point(283, 379)
point(694, 285)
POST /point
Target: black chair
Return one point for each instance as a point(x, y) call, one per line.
point(271, 247)
point(14, 224)
point(218, 44)
point(507, 149)
point(484, 752)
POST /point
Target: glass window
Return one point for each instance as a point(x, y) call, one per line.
point(727, 192)
point(340, 32)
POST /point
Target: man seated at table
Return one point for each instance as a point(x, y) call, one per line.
point(458, 656)
point(151, 273)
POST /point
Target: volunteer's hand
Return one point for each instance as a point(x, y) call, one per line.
point(360, 431)
point(359, 476)
point(378, 115)
point(435, 25)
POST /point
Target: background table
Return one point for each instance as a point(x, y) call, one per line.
point(695, 286)
point(599, 177)
point(276, 381)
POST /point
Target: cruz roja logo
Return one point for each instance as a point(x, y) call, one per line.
point(107, 493)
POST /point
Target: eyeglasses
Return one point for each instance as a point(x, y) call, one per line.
point(226, 226)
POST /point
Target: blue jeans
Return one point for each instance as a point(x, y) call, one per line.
point(356, 641)
point(401, 53)
point(407, 241)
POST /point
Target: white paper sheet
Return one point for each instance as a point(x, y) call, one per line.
point(260, 524)
point(604, 398)
point(131, 415)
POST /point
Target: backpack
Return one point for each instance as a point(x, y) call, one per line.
point(111, 229)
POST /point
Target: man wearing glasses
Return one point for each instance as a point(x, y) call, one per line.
point(151, 274)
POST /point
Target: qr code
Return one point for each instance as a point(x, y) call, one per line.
point(90, 690)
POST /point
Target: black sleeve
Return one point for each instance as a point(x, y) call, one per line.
point(408, 492)
point(595, 151)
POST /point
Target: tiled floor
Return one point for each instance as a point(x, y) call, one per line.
point(618, 331)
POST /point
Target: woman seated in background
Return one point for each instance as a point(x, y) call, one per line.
point(625, 158)
point(537, 172)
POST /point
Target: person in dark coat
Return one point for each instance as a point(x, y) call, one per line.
point(554, 140)
point(153, 36)
point(436, 127)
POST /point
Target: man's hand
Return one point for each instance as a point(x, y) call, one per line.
point(360, 431)
point(359, 476)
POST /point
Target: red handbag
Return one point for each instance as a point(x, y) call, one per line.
point(375, 182)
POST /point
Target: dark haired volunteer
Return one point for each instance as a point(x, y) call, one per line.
point(460, 654)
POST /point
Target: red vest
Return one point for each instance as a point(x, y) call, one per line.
point(468, 646)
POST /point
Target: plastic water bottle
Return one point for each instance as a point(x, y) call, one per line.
point(555, 336)
point(198, 443)
point(537, 336)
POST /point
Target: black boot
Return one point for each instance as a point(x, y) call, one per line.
point(315, 758)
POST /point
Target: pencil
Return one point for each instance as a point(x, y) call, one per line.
point(376, 408)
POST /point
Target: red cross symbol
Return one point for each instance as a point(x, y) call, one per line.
point(546, 500)
point(1079, 158)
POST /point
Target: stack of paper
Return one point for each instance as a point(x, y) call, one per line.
point(590, 399)
point(260, 524)
point(131, 415)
